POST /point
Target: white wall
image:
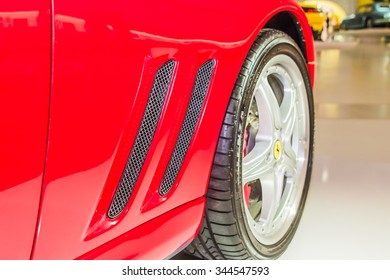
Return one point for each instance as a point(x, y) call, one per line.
point(348, 5)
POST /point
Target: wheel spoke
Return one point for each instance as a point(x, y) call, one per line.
point(288, 107)
point(272, 188)
point(257, 163)
point(272, 105)
point(289, 123)
point(289, 160)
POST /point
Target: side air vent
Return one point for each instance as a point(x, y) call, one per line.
point(143, 139)
point(187, 130)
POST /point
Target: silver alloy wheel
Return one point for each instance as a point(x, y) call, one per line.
point(276, 149)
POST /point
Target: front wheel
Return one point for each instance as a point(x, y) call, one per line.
point(262, 166)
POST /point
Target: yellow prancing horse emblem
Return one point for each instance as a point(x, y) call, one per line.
point(277, 149)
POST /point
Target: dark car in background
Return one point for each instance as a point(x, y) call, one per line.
point(368, 16)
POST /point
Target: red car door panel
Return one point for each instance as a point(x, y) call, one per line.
point(25, 54)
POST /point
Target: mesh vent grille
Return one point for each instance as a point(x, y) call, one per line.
point(143, 140)
point(191, 118)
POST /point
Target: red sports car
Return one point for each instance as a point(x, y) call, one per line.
point(136, 129)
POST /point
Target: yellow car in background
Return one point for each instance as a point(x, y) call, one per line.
point(324, 17)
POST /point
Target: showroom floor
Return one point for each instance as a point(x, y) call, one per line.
point(347, 214)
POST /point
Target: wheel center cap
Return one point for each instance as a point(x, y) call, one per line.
point(277, 149)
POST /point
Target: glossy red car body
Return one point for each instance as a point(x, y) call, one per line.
point(74, 81)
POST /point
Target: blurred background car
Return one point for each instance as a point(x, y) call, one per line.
point(324, 17)
point(368, 16)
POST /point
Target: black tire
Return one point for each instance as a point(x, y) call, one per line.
point(317, 35)
point(226, 232)
point(369, 23)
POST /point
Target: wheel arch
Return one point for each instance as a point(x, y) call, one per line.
point(289, 24)
point(294, 23)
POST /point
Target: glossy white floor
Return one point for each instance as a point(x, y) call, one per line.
point(347, 215)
